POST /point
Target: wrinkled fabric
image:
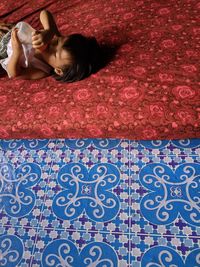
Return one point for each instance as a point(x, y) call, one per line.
point(148, 90)
point(27, 58)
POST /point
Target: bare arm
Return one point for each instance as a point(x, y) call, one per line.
point(13, 67)
point(31, 74)
point(40, 39)
point(24, 73)
point(48, 22)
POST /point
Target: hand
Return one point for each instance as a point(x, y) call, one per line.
point(40, 39)
point(16, 44)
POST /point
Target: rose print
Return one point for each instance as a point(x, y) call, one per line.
point(155, 34)
point(29, 115)
point(163, 11)
point(102, 110)
point(139, 71)
point(94, 130)
point(129, 93)
point(40, 97)
point(11, 113)
point(189, 68)
point(184, 92)
point(82, 95)
point(54, 111)
point(156, 110)
point(186, 116)
point(165, 77)
point(126, 116)
point(46, 131)
point(177, 27)
point(76, 114)
point(149, 133)
point(169, 43)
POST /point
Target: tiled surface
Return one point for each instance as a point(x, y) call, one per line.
point(99, 203)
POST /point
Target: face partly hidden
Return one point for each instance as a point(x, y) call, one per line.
point(56, 56)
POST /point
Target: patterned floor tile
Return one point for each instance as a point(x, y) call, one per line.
point(165, 193)
point(98, 198)
point(17, 246)
point(164, 251)
point(80, 249)
point(73, 202)
point(187, 147)
point(23, 191)
point(40, 148)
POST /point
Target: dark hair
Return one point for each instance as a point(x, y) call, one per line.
point(85, 53)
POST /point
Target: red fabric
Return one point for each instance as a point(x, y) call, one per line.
point(150, 90)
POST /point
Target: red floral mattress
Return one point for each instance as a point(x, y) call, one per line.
point(149, 90)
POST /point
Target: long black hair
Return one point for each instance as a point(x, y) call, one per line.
point(85, 53)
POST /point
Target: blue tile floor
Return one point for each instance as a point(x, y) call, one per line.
point(99, 203)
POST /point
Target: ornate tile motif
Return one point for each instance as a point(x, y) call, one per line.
point(171, 193)
point(11, 250)
point(64, 251)
point(87, 191)
point(165, 256)
point(16, 197)
point(93, 202)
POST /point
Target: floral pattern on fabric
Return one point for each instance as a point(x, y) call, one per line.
point(149, 90)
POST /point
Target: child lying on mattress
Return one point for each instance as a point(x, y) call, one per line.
point(29, 54)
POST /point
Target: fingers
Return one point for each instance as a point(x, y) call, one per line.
point(37, 46)
point(37, 40)
point(16, 44)
point(36, 35)
point(14, 35)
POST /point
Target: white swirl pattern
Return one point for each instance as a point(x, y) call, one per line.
point(63, 253)
point(11, 250)
point(160, 256)
point(98, 201)
point(29, 144)
point(171, 193)
point(15, 197)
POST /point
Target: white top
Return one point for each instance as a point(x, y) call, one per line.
point(28, 58)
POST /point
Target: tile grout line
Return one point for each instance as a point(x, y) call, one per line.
point(43, 204)
point(129, 202)
point(103, 232)
point(143, 155)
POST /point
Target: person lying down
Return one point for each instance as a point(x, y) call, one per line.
point(26, 53)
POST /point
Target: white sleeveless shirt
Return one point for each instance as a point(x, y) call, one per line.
point(27, 58)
